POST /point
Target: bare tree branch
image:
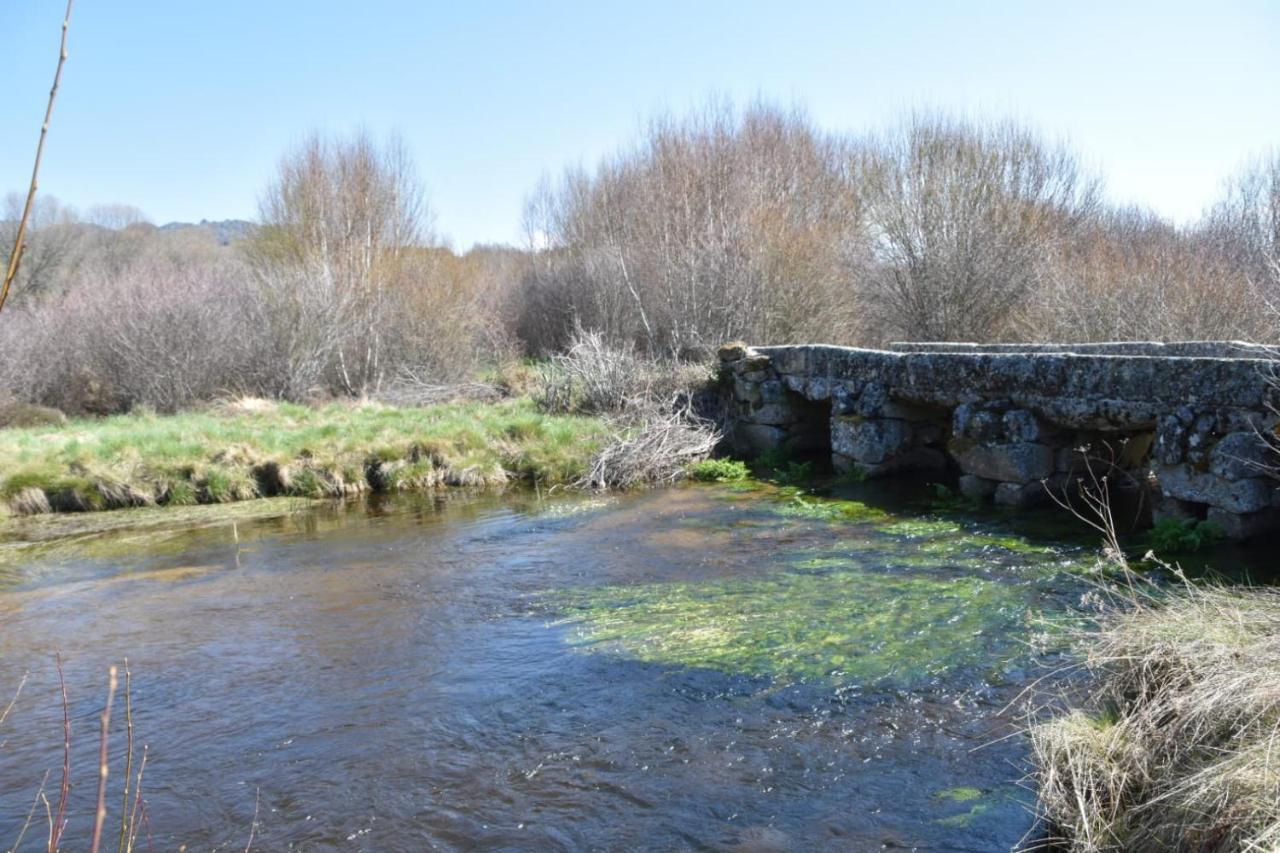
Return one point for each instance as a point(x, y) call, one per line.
point(15, 257)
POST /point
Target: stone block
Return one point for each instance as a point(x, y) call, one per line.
point(875, 402)
point(976, 488)
point(776, 414)
point(795, 382)
point(773, 391)
point(1241, 455)
point(1240, 496)
point(817, 388)
point(758, 437)
point(1023, 462)
point(1021, 494)
point(1179, 510)
point(916, 459)
point(746, 392)
point(732, 351)
point(869, 441)
point(976, 423)
point(1245, 525)
point(1200, 439)
point(1171, 436)
point(1019, 425)
point(794, 360)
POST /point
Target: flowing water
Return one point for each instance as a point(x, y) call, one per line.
point(708, 667)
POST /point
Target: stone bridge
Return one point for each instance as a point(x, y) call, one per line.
point(1189, 425)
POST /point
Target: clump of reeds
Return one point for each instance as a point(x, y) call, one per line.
point(1177, 745)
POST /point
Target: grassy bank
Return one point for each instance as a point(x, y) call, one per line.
point(258, 449)
point(1178, 744)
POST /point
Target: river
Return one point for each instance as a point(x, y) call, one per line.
point(731, 667)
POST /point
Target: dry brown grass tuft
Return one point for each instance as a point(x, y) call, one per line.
point(245, 406)
point(1178, 747)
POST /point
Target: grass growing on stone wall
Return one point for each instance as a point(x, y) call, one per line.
point(242, 452)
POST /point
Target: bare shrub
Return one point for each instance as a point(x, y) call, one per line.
point(338, 220)
point(654, 450)
point(649, 406)
point(357, 288)
point(965, 215)
point(592, 377)
point(1130, 275)
point(54, 244)
point(164, 332)
point(721, 225)
point(1245, 224)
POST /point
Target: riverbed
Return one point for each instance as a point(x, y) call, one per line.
point(735, 666)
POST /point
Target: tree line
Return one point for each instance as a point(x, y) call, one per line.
point(724, 223)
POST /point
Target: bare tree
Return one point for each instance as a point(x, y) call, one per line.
point(1246, 225)
point(722, 224)
point(1132, 275)
point(53, 243)
point(344, 212)
point(965, 214)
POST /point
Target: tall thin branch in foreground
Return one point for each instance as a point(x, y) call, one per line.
point(128, 767)
point(100, 816)
point(59, 824)
point(19, 243)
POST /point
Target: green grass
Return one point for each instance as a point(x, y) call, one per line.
point(1175, 536)
point(719, 470)
point(307, 451)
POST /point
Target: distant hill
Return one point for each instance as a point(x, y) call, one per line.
point(225, 231)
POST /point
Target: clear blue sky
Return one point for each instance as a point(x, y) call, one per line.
point(182, 108)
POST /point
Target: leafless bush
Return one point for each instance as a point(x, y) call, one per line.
point(719, 226)
point(965, 215)
point(1130, 275)
point(164, 332)
point(654, 450)
point(356, 283)
point(648, 404)
point(592, 377)
point(1245, 224)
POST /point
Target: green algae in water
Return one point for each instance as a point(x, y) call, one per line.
point(965, 818)
point(831, 510)
point(960, 794)
point(921, 527)
point(848, 626)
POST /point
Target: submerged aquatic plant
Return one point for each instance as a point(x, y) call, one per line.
point(799, 506)
point(846, 624)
